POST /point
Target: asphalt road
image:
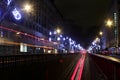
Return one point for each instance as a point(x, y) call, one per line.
point(92, 71)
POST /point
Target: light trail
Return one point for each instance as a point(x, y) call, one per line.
point(16, 43)
point(75, 70)
point(26, 34)
point(79, 65)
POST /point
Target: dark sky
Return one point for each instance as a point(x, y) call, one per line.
point(85, 16)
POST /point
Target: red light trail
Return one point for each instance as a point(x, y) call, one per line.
point(26, 34)
point(79, 65)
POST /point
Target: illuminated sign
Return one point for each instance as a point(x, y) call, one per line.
point(16, 14)
point(8, 2)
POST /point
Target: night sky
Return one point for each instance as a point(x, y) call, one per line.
point(84, 18)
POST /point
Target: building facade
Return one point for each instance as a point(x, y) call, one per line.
point(28, 32)
point(111, 34)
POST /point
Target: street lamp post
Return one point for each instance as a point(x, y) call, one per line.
point(100, 33)
point(110, 24)
point(55, 37)
point(114, 23)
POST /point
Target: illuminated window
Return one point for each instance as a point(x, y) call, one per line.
point(23, 47)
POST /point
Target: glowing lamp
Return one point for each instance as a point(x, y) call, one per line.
point(27, 8)
point(58, 38)
point(50, 39)
point(50, 33)
point(63, 39)
point(55, 32)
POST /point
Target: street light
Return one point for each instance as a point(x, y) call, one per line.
point(27, 7)
point(100, 33)
point(109, 23)
point(97, 39)
point(114, 23)
point(58, 31)
point(55, 36)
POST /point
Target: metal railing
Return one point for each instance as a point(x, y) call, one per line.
point(16, 60)
point(110, 66)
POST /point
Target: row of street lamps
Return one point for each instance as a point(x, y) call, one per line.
point(65, 44)
point(111, 23)
point(97, 43)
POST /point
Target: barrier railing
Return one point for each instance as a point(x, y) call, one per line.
point(110, 66)
point(45, 64)
point(14, 60)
